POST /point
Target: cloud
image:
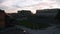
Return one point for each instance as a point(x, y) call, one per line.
point(1, 1)
point(10, 5)
point(20, 3)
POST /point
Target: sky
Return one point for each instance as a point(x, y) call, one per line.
point(11, 6)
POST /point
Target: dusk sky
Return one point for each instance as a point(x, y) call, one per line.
point(11, 6)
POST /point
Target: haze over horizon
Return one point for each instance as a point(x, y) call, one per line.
point(11, 6)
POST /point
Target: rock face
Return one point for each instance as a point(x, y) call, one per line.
point(5, 20)
point(2, 19)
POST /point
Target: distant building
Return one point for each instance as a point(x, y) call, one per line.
point(24, 13)
point(15, 15)
point(47, 12)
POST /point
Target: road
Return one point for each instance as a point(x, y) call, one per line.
point(49, 30)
